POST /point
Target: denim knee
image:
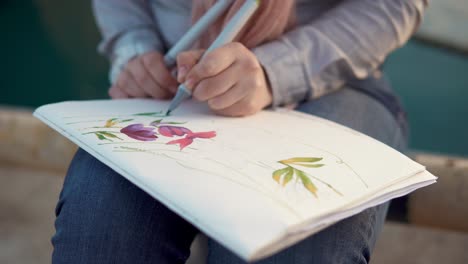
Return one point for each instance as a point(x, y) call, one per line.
point(104, 218)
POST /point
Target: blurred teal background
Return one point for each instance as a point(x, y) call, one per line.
point(49, 54)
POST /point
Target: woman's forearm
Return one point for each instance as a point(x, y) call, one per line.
point(349, 41)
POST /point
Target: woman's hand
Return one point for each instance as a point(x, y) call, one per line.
point(144, 76)
point(230, 79)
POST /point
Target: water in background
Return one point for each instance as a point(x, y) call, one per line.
point(433, 84)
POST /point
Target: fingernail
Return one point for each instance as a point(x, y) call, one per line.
point(190, 83)
point(182, 71)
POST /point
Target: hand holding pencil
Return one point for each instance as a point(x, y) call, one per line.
point(148, 75)
point(230, 79)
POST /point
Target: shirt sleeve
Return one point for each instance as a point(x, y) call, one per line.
point(349, 41)
point(128, 29)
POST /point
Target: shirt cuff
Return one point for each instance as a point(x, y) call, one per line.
point(131, 44)
point(284, 71)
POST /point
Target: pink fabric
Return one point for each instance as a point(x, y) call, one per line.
point(271, 20)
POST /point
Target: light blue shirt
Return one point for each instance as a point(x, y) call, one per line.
point(332, 42)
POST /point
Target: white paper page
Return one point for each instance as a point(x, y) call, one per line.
point(304, 230)
point(222, 179)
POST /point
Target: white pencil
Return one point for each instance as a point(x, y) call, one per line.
point(195, 31)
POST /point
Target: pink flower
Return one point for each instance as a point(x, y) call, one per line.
point(139, 132)
point(188, 139)
point(170, 131)
point(142, 133)
point(183, 142)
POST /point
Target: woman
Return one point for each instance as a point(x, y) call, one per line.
point(321, 56)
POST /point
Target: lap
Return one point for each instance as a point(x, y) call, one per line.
point(360, 112)
point(350, 240)
point(103, 218)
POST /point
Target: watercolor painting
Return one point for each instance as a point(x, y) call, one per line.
point(146, 132)
point(156, 126)
point(155, 130)
point(289, 172)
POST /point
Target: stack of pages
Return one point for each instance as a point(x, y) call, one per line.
point(256, 184)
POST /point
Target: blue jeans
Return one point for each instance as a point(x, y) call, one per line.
point(103, 218)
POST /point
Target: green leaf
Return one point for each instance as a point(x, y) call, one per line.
point(175, 123)
point(288, 177)
point(109, 134)
point(149, 114)
point(310, 165)
point(126, 120)
point(300, 160)
point(308, 184)
point(278, 173)
point(160, 121)
point(100, 136)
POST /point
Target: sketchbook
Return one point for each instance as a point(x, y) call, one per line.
point(256, 184)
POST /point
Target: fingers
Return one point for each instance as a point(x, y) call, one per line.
point(144, 80)
point(154, 64)
point(230, 87)
point(229, 98)
point(210, 88)
point(249, 95)
point(185, 62)
point(143, 76)
point(230, 79)
point(127, 84)
point(244, 107)
point(213, 63)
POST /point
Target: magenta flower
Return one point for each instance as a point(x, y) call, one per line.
point(188, 139)
point(142, 133)
point(170, 131)
point(139, 132)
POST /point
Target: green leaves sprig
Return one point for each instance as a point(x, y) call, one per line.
point(154, 114)
point(105, 135)
point(285, 175)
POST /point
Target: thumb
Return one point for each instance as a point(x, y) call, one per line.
point(185, 62)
